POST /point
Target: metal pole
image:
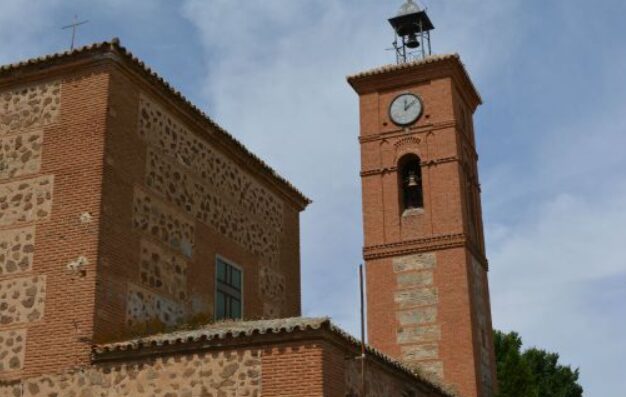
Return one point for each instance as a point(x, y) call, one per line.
point(422, 40)
point(363, 391)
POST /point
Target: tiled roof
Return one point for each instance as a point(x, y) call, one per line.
point(240, 329)
point(402, 66)
point(114, 46)
point(411, 65)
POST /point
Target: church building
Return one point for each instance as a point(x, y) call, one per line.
point(144, 251)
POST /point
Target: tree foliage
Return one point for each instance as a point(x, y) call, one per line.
point(533, 372)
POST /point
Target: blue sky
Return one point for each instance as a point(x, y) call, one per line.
point(551, 135)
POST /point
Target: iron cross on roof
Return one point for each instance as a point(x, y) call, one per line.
point(74, 26)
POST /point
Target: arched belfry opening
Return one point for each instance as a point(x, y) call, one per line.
point(410, 183)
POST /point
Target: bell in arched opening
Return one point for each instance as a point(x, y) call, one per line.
point(411, 183)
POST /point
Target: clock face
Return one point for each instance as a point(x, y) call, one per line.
point(405, 109)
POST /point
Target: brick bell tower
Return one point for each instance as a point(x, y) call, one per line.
point(428, 295)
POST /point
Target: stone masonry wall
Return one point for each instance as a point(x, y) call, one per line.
point(163, 270)
point(29, 107)
point(25, 200)
point(416, 300)
point(218, 374)
point(16, 251)
point(143, 306)
point(12, 356)
point(20, 154)
point(189, 181)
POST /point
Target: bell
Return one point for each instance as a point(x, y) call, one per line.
point(411, 181)
point(412, 41)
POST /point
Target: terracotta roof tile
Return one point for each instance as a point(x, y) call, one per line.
point(240, 329)
point(114, 46)
point(402, 66)
point(412, 65)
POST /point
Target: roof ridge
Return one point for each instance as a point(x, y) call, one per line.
point(115, 45)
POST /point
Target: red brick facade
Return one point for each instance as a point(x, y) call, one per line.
point(428, 297)
point(116, 198)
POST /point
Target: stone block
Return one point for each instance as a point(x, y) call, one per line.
point(26, 201)
point(427, 333)
point(16, 250)
point(414, 262)
point(421, 315)
point(20, 154)
point(22, 300)
point(29, 107)
point(416, 297)
point(427, 351)
point(434, 368)
point(414, 279)
point(12, 348)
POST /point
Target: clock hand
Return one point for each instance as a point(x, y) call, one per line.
point(410, 104)
point(405, 107)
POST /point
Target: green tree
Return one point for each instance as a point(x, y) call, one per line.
point(532, 373)
point(551, 378)
point(515, 378)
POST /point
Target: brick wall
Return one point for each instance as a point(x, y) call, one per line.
point(293, 369)
point(228, 373)
point(52, 134)
point(317, 366)
point(427, 305)
point(175, 198)
point(115, 200)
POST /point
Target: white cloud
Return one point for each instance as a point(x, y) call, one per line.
point(555, 210)
point(555, 267)
point(276, 80)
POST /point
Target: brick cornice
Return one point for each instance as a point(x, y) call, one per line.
point(430, 68)
point(405, 132)
point(429, 163)
point(436, 243)
point(414, 246)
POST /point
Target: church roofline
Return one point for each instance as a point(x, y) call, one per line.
point(92, 51)
point(365, 81)
point(280, 330)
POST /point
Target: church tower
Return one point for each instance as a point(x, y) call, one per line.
point(427, 289)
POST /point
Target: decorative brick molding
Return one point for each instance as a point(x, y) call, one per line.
point(414, 246)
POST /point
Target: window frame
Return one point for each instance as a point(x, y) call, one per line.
point(227, 262)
